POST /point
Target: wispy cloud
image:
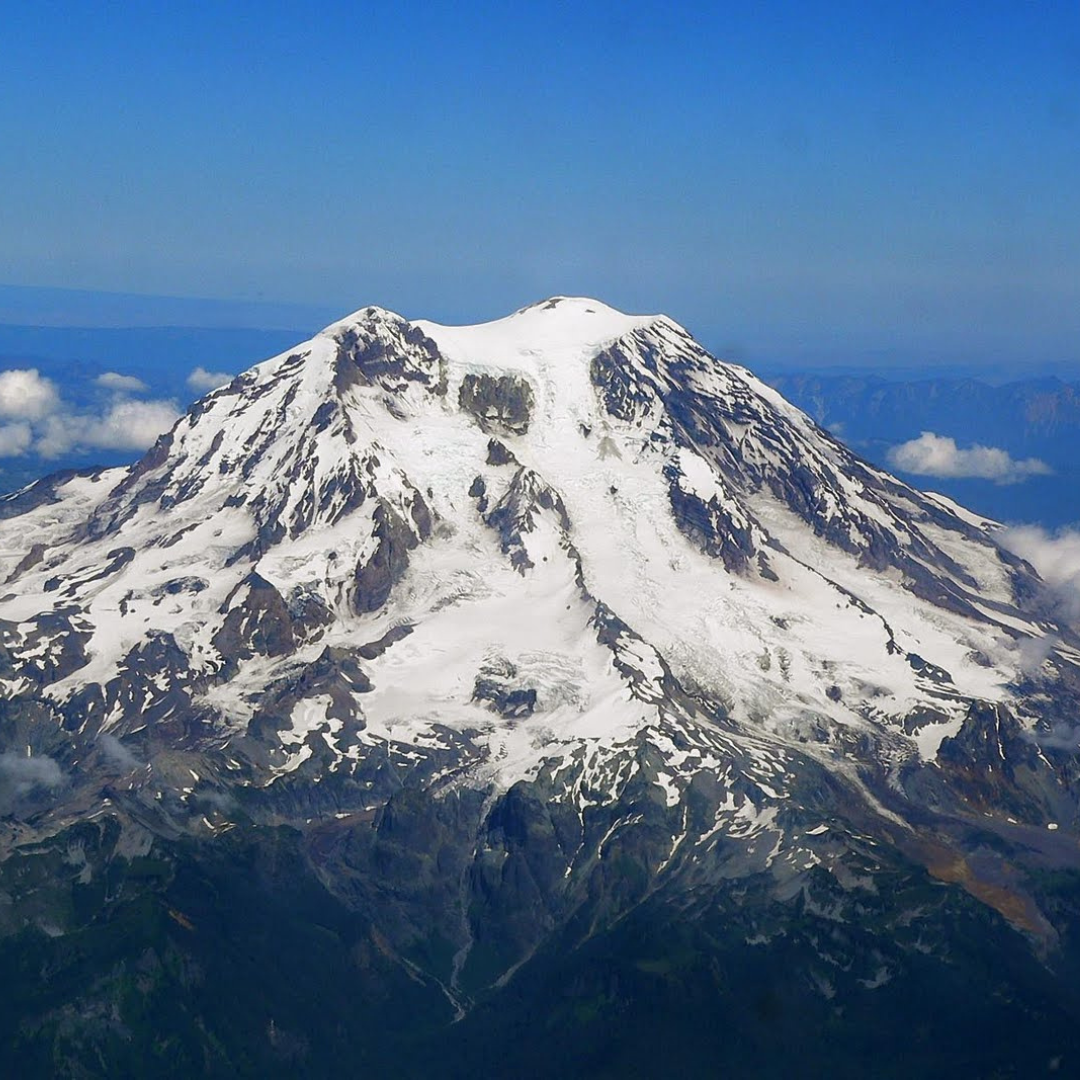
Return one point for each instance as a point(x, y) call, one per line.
point(22, 776)
point(113, 380)
point(1056, 556)
point(116, 753)
point(203, 381)
point(938, 455)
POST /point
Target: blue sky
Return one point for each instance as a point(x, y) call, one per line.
point(827, 181)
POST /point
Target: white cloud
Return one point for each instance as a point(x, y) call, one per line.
point(204, 381)
point(43, 423)
point(132, 425)
point(113, 380)
point(938, 455)
point(1034, 652)
point(58, 434)
point(116, 753)
point(15, 439)
point(26, 395)
point(127, 425)
point(1055, 555)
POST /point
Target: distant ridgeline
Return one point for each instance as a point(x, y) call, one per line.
point(162, 356)
point(1037, 418)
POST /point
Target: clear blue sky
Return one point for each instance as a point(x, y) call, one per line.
point(833, 178)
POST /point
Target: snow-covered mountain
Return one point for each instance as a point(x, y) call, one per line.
point(644, 624)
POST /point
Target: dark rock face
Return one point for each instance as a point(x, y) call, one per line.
point(624, 392)
point(258, 622)
point(712, 527)
point(335, 677)
point(31, 559)
point(157, 456)
point(334, 663)
point(496, 686)
point(373, 650)
point(502, 404)
point(927, 670)
point(308, 612)
point(395, 539)
point(60, 648)
point(389, 354)
point(498, 454)
point(507, 703)
point(149, 699)
point(1002, 769)
point(516, 513)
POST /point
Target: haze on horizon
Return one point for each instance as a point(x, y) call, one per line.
point(888, 183)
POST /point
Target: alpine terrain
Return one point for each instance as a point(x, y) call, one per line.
point(541, 697)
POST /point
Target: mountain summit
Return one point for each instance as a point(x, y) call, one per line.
point(506, 634)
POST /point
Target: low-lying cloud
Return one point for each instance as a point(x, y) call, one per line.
point(203, 381)
point(133, 425)
point(41, 422)
point(15, 439)
point(1032, 653)
point(22, 777)
point(116, 753)
point(938, 455)
point(125, 425)
point(1055, 555)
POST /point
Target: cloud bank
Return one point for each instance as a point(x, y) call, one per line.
point(938, 455)
point(125, 425)
point(41, 422)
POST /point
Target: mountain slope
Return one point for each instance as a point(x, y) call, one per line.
point(523, 626)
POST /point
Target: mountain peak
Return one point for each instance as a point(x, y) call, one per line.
point(572, 435)
point(370, 474)
point(561, 331)
point(557, 609)
point(370, 316)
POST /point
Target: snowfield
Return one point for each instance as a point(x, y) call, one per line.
point(572, 523)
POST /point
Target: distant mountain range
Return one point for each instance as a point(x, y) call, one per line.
point(1030, 418)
